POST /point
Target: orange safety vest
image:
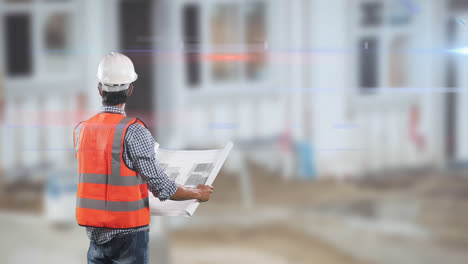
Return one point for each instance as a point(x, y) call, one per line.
point(109, 193)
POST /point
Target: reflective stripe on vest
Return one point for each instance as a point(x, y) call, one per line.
point(113, 206)
point(77, 135)
point(105, 179)
point(116, 144)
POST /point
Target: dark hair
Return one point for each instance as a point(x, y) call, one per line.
point(114, 98)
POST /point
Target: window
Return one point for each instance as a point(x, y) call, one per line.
point(225, 38)
point(458, 4)
point(233, 49)
point(57, 41)
point(371, 14)
point(383, 30)
point(38, 38)
point(256, 41)
point(18, 44)
point(18, 1)
point(398, 62)
point(191, 31)
point(55, 34)
point(400, 14)
point(368, 63)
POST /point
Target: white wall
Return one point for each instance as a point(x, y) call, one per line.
point(462, 101)
point(329, 105)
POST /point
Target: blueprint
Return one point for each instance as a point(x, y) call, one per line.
point(189, 168)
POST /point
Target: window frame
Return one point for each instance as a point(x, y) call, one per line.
point(39, 11)
point(384, 33)
point(208, 86)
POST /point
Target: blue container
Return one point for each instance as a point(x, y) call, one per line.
point(306, 160)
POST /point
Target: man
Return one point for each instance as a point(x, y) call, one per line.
point(117, 166)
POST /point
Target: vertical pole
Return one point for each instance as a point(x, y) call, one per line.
point(2, 116)
point(158, 235)
point(246, 185)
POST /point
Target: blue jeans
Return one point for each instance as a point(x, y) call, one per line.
point(125, 249)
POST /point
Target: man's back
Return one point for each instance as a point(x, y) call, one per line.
point(117, 168)
point(109, 193)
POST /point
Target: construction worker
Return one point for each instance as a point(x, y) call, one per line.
point(117, 166)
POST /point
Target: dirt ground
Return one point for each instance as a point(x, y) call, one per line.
point(418, 217)
point(270, 244)
point(442, 197)
point(419, 210)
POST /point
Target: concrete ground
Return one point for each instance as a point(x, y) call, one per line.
point(411, 219)
point(31, 239)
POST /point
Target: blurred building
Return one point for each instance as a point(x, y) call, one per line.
point(370, 85)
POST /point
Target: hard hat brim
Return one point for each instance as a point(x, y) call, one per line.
point(114, 88)
point(133, 79)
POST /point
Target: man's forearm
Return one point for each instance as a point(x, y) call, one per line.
point(185, 193)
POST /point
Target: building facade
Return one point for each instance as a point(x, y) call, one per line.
point(371, 85)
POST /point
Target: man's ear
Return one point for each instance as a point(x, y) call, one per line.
point(130, 90)
point(100, 89)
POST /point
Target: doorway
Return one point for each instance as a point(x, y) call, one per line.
point(135, 31)
point(456, 99)
point(450, 100)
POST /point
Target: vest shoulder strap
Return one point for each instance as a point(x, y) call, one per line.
point(76, 136)
point(141, 122)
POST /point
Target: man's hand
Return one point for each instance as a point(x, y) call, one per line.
point(204, 192)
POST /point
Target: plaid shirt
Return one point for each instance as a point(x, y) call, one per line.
point(139, 155)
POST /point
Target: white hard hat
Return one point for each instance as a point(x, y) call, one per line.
point(116, 72)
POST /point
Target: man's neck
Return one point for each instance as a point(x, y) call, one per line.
point(121, 106)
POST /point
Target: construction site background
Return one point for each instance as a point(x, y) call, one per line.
point(347, 117)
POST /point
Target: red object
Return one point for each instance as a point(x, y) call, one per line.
point(2, 109)
point(414, 133)
point(109, 193)
point(285, 141)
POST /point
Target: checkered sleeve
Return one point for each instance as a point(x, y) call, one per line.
point(140, 156)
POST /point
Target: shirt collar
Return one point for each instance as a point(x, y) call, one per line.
point(111, 109)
